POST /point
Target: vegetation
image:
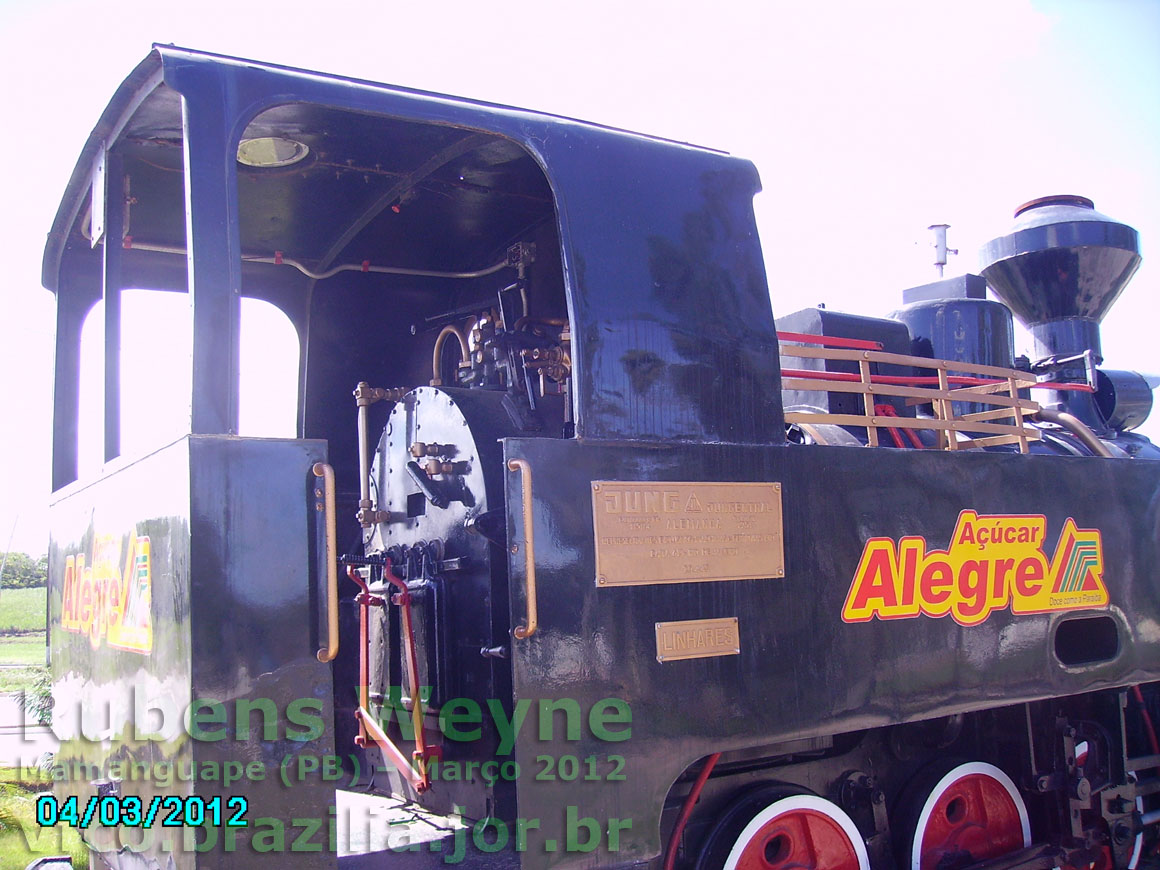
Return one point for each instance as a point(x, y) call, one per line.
point(21, 839)
point(22, 639)
point(22, 611)
point(21, 571)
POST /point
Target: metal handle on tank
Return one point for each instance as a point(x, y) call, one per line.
point(326, 472)
point(525, 470)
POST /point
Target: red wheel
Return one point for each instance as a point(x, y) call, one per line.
point(973, 813)
point(798, 831)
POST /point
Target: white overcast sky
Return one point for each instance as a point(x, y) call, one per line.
point(867, 121)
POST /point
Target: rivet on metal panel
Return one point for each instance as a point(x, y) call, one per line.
point(777, 487)
point(596, 487)
point(601, 580)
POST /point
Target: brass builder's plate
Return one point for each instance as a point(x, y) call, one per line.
point(697, 639)
point(677, 532)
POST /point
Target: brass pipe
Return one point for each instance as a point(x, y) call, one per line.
point(330, 651)
point(1076, 427)
point(437, 353)
point(365, 395)
point(525, 470)
point(364, 474)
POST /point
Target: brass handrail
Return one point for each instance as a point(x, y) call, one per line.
point(326, 506)
point(525, 470)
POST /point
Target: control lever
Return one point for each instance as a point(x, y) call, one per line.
point(429, 487)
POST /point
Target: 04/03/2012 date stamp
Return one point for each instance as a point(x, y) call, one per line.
point(109, 811)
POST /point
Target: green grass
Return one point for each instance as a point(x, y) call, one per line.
point(21, 839)
point(23, 649)
point(26, 651)
point(22, 610)
point(18, 679)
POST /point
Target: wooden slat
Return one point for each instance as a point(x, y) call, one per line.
point(1000, 398)
point(1018, 415)
point(993, 440)
point(926, 394)
point(993, 414)
point(947, 412)
point(868, 401)
point(878, 356)
point(904, 423)
point(997, 387)
point(999, 401)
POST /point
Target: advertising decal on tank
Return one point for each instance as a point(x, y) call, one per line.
point(110, 598)
point(991, 563)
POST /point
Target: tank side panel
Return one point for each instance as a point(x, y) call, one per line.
point(258, 603)
point(119, 633)
point(802, 670)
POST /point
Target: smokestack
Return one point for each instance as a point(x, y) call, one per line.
point(1059, 270)
point(1063, 261)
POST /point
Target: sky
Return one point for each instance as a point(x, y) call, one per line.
point(867, 122)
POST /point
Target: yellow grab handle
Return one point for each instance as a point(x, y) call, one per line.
point(525, 470)
point(326, 472)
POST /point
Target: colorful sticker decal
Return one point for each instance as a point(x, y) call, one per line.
point(111, 598)
point(992, 562)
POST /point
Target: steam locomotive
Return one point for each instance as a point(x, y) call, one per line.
point(600, 559)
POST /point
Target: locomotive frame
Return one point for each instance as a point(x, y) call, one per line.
point(743, 702)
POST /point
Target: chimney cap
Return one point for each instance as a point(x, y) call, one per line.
point(1056, 199)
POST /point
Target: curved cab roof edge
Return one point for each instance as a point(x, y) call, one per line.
point(166, 63)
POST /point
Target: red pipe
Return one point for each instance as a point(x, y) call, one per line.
point(1139, 696)
point(363, 663)
point(687, 810)
point(888, 411)
point(420, 754)
point(419, 778)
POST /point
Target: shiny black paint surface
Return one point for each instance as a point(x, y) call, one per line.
point(665, 284)
point(802, 671)
point(235, 615)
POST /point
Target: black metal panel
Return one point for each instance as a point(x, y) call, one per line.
point(80, 289)
point(802, 670)
point(256, 603)
point(209, 116)
point(892, 335)
point(230, 599)
point(648, 232)
point(954, 320)
point(116, 706)
point(668, 296)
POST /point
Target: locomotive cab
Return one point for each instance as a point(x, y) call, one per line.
point(538, 553)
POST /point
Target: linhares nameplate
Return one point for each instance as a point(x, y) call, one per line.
point(679, 532)
point(697, 639)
